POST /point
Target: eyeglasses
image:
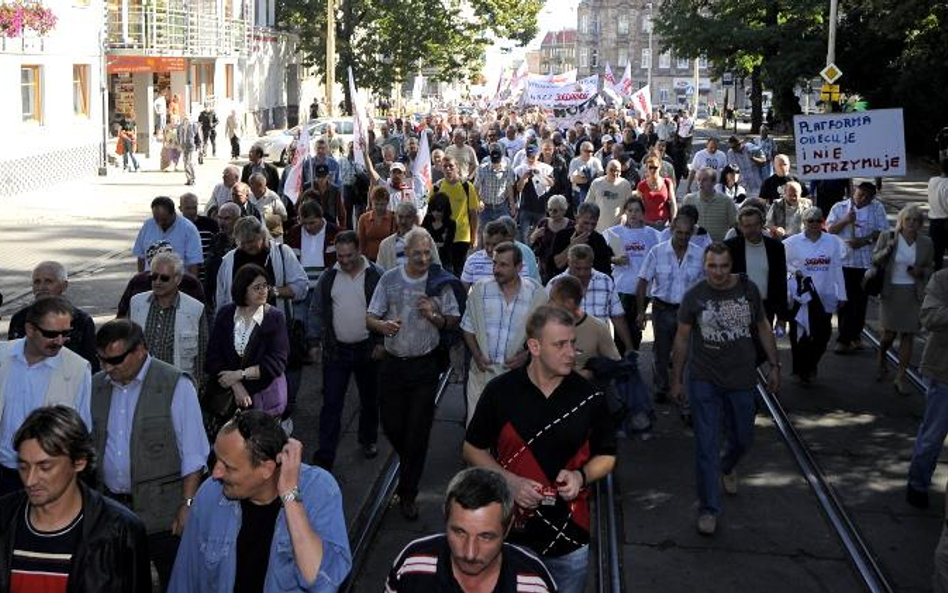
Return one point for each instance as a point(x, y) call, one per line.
point(447, 166)
point(814, 220)
point(584, 151)
point(162, 277)
point(652, 168)
point(554, 210)
point(116, 360)
point(51, 334)
point(260, 287)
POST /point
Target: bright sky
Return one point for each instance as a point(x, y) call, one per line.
point(554, 16)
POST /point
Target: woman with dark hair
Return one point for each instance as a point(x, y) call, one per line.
point(440, 225)
point(730, 184)
point(248, 348)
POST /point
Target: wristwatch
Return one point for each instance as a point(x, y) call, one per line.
point(188, 502)
point(291, 495)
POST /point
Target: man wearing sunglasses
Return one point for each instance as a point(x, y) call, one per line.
point(37, 371)
point(149, 437)
point(50, 279)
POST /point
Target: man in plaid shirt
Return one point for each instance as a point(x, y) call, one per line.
point(600, 298)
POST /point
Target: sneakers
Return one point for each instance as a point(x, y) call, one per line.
point(901, 385)
point(707, 524)
point(729, 481)
point(916, 498)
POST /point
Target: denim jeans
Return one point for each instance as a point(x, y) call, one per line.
point(931, 435)
point(569, 571)
point(526, 222)
point(490, 213)
point(349, 360)
point(710, 405)
point(664, 326)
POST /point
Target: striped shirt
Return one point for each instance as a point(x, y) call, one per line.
point(601, 299)
point(501, 316)
point(717, 215)
point(493, 185)
point(869, 219)
point(42, 560)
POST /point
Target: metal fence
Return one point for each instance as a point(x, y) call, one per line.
point(160, 30)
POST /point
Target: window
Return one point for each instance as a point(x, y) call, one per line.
point(646, 23)
point(703, 62)
point(584, 23)
point(80, 89)
point(646, 58)
point(683, 63)
point(583, 57)
point(623, 56)
point(663, 95)
point(594, 59)
point(664, 60)
point(623, 24)
point(31, 93)
point(229, 81)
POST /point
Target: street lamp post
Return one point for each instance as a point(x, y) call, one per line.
point(650, 57)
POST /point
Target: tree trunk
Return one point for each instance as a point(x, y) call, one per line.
point(757, 101)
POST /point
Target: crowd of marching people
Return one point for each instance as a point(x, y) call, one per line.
point(527, 261)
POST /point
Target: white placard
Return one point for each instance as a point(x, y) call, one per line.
point(842, 145)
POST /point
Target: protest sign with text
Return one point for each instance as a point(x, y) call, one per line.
point(547, 94)
point(841, 145)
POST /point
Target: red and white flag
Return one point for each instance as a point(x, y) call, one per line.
point(624, 87)
point(642, 101)
point(360, 132)
point(609, 78)
point(294, 179)
point(568, 76)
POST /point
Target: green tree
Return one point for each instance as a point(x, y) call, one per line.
point(893, 53)
point(774, 43)
point(388, 41)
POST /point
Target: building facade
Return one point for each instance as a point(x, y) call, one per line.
point(106, 61)
point(619, 32)
point(558, 52)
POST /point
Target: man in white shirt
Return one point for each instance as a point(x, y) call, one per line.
point(463, 154)
point(582, 171)
point(221, 194)
point(709, 157)
point(610, 193)
point(38, 371)
point(161, 113)
point(512, 143)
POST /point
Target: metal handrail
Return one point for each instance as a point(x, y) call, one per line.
point(856, 548)
point(162, 30)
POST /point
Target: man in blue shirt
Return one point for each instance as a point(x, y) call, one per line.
point(148, 435)
point(266, 522)
point(38, 371)
point(165, 225)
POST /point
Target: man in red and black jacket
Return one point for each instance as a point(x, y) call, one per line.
point(547, 430)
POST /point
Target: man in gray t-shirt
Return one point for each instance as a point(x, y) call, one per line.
point(411, 322)
point(717, 320)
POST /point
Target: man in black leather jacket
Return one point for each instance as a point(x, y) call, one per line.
point(58, 534)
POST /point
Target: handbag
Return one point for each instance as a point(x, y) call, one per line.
point(874, 277)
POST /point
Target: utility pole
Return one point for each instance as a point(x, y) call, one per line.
point(697, 87)
point(831, 45)
point(330, 55)
point(650, 56)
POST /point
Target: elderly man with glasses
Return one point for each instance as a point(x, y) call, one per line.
point(175, 324)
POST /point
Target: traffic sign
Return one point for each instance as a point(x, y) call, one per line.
point(829, 92)
point(831, 73)
point(727, 79)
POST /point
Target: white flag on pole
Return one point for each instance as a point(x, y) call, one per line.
point(642, 101)
point(625, 83)
point(418, 88)
point(421, 167)
point(360, 133)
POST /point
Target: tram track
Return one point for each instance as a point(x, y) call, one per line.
point(606, 530)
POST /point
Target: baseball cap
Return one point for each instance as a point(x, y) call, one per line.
point(531, 150)
point(321, 170)
point(396, 166)
point(608, 138)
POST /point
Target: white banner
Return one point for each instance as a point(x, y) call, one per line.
point(838, 145)
point(624, 87)
point(568, 76)
point(294, 179)
point(548, 94)
point(421, 168)
point(564, 116)
point(608, 78)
